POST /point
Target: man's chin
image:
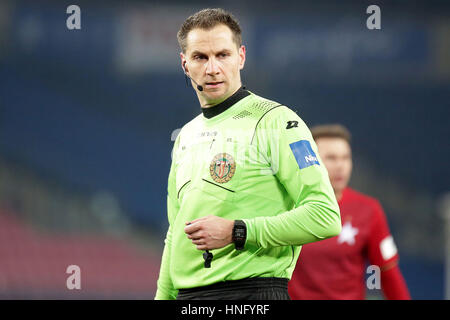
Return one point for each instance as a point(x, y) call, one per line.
point(215, 96)
point(214, 91)
point(339, 188)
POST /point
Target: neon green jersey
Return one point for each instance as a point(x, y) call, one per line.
point(257, 162)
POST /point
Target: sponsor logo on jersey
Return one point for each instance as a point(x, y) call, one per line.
point(304, 154)
point(292, 124)
point(222, 168)
point(310, 158)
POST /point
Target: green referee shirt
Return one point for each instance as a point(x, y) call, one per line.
point(251, 159)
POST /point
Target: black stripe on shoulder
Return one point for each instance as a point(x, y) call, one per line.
point(261, 118)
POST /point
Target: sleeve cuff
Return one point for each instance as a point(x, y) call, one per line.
point(251, 233)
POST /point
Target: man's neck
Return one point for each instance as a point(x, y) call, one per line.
point(338, 194)
point(208, 104)
point(217, 109)
point(211, 104)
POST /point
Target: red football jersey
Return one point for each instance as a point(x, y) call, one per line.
point(334, 268)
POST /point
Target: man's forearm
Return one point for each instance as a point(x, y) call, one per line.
point(394, 285)
point(307, 223)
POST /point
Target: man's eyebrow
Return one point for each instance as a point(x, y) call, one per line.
point(226, 51)
point(196, 52)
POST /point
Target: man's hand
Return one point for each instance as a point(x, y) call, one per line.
point(210, 232)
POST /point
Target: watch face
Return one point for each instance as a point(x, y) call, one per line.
point(239, 232)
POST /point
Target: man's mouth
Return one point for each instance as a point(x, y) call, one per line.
point(338, 179)
point(213, 84)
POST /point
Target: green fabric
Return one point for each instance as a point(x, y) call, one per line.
point(283, 205)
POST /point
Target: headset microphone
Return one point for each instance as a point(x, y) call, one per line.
point(199, 87)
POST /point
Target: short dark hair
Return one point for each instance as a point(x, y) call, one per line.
point(331, 131)
point(207, 19)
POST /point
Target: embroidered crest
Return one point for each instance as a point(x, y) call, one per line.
point(222, 168)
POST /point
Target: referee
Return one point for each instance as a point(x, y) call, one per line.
point(246, 187)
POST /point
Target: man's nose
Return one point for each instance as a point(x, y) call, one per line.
point(340, 166)
point(212, 66)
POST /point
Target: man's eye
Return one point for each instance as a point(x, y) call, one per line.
point(199, 57)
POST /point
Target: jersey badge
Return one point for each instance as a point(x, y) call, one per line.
point(222, 168)
point(388, 248)
point(347, 234)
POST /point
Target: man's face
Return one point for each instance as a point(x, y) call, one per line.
point(337, 157)
point(214, 61)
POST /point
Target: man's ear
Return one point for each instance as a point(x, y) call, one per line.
point(241, 57)
point(183, 62)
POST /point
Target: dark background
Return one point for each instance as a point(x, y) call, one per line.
point(86, 118)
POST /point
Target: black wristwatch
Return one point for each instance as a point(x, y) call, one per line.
point(239, 234)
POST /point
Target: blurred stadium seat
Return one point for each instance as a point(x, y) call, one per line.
point(33, 264)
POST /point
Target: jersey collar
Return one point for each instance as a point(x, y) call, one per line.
point(227, 103)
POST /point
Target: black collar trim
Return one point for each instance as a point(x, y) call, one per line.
point(227, 103)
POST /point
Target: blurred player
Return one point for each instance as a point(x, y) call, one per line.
point(334, 268)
